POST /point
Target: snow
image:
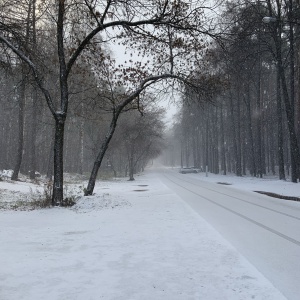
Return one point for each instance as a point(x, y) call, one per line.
point(19, 186)
point(6, 173)
point(247, 183)
point(131, 240)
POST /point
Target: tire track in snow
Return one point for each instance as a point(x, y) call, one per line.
point(238, 214)
point(255, 204)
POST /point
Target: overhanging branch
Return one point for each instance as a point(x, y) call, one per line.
point(33, 68)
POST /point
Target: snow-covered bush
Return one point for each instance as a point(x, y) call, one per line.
point(6, 174)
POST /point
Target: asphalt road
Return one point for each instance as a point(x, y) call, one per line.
point(265, 230)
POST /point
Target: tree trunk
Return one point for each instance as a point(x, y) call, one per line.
point(238, 137)
point(258, 126)
point(251, 141)
point(131, 168)
point(57, 196)
point(223, 149)
point(81, 143)
point(21, 129)
point(295, 159)
point(34, 104)
point(33, 134)
point(237, 170)
point(280, 129)
point(206, 143)
point(91, 184)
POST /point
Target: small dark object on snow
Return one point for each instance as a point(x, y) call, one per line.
point(278, 196)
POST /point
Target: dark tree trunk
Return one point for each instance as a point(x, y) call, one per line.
point(258, 126)
point(216, 141)
point(34, 104)
point(131, 168)
point(21, 107)
point(33, 135)
point(297, 78)
point(50, 163)
point(91, 184)
point(181, 154)
point(223, 149)
point(61, 114)
point(207, 145)
point(237, 170)
point(294, 156)
point(194, 146)
point(57, 197)
point(280, 129)
point(250, 133)
point(81, 144)
point(238, 137)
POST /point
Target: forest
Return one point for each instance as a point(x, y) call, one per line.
point(251, 126)
point(81, 83)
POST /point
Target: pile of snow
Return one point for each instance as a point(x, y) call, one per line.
point(5, 174)
point(12, 193)
point(99, 202)
point(21, 195)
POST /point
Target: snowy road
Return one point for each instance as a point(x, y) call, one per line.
point(263, 229)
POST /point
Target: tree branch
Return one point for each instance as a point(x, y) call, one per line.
point(32, 66)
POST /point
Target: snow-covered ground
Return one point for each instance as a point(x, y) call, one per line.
point(267, 184)
point(131, 240)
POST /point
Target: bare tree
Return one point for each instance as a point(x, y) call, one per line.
point(142, 137)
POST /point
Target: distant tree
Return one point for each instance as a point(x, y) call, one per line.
point(248, 124)
point(142, 137)
point(280, 12)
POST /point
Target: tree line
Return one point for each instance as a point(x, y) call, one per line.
point(252, 126)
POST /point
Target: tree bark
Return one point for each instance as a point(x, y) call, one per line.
point(131, 168)
point(50, 163)
point(238, 137)
point(34, 103)
point(60, 115)
point(33, 134)
point(21, 103)
point(294, 158)
point(280, 129)
point(237, 170)
point(57, 197)
point(223, 149)
point(91, 184)
point(259, 126)
point(250, 133)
